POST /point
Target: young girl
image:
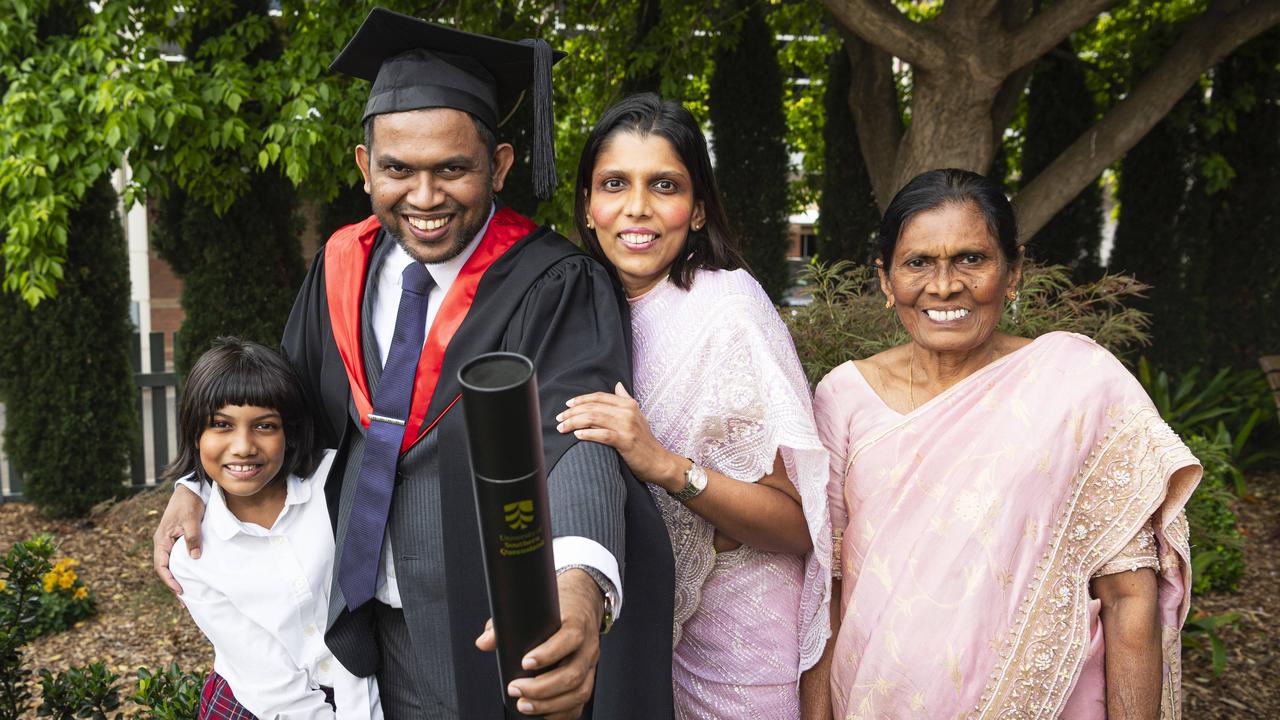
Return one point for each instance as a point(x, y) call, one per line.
point(260, 590)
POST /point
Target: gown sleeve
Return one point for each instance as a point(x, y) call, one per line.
point(304, 344)
point(572, 326)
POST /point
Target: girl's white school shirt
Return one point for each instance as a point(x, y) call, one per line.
point(261, 596)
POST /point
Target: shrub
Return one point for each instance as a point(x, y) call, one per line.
point(1228, 407)
point(24, 566)
point(66, 599)
point(847, 319)
point(1217, 558)
point(41, 596)
point(87, 692)
point(169, 694)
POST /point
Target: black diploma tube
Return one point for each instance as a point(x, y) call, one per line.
point(504, 431)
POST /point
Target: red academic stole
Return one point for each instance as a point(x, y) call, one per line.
point(346, 260)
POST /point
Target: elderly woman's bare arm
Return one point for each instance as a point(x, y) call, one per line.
point(815, 683)
point(1131, 631)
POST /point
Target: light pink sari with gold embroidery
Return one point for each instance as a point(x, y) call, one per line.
point(972, 526)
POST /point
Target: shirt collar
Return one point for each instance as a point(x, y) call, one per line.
point(443, 273)
point(226, 525)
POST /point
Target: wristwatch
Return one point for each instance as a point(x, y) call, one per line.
point(606, 589)
point(695, 481)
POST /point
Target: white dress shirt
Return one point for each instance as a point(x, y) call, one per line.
point(568, 550)
point(261, 596)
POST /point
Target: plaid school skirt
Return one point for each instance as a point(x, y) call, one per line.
point(217, 702)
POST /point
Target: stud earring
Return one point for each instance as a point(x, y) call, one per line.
point(590, 225)
point(888, 303)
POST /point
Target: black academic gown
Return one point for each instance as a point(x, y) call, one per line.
point(547, 300)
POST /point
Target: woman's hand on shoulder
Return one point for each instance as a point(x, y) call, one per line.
point(614, 419)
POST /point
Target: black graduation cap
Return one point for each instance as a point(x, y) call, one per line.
point(414, 64)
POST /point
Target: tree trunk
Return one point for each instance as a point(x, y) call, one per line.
point(950, 126)
point(963, 58)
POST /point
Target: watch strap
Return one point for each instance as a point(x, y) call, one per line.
point(607, 589)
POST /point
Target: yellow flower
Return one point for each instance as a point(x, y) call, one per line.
point(81, 593)
point(67, 581)
point(3, 585)
point(49, 582)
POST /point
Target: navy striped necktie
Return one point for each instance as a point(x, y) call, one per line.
point(362, 545)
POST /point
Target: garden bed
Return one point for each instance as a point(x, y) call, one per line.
point(141, 624)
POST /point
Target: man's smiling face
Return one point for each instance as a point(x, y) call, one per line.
point(431, 179)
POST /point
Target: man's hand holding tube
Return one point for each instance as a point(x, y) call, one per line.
point(561, 692)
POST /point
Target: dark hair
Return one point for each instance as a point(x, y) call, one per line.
point(486, 135)
point(712, 247)
point(938, 188)
point(238, 372)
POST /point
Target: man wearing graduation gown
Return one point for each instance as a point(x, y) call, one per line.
point(498, 282)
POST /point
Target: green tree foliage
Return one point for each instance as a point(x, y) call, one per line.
point(64, 370)
point(1059, 110)
point(73, 104)
point(750, 151)
point(847, 213)
point(805, 47)
point(241, 264)
point(76, 105)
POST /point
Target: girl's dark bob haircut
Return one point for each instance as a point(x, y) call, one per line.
point(239, 372)
point(713, 246)
point(933, 189)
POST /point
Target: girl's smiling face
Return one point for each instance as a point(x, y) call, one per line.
point(242, 448)
point(641, 206)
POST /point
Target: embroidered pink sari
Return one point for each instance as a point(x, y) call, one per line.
point(972, 526)
point(717, 377)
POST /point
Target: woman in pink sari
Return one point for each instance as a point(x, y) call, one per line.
point(720, 426)
point(1012, 537)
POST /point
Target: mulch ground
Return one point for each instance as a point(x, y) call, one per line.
point(1250, 685)
point(141, 624)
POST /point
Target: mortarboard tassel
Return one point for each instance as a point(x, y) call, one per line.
point(544, 147)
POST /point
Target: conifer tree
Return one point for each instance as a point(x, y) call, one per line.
point(847, 213)
point(240, 270)
point(64, 370)
point(1149, 242)
point(1060, 109)
point(749, 130)
point(1236, 266)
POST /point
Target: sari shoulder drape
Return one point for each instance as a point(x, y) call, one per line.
point(719, 381)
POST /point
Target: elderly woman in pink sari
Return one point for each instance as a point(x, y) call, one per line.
point(1013, 543)
point(721, 425)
